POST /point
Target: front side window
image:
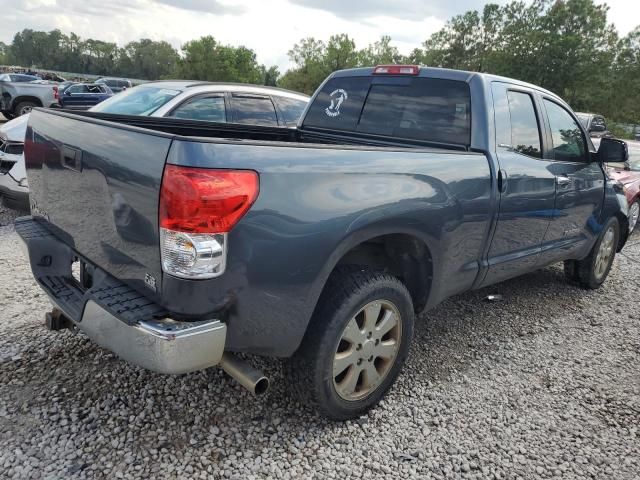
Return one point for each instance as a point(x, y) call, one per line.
point(207, 109)
point(568, 141)
point(78, 89)
point(291, 108)
point(525, 132)
point(254, 110)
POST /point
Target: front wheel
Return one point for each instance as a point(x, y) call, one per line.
point(356, 344)
point(592, 271)
point(634, 214)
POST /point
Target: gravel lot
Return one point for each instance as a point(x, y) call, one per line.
point(543, 384)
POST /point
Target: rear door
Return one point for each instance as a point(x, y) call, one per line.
point(580, 186)
point(206, 108)
point(526, 182)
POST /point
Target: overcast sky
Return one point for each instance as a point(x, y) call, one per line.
point(270, 27)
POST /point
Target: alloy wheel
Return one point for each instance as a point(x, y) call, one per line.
point(367, 350)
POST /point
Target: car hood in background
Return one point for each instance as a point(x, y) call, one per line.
point(16, 129)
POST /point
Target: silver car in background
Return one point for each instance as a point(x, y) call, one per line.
point(187, 100)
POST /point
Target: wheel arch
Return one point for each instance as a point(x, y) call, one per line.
point(25, 98)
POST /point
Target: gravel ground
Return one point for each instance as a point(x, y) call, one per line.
point(543, 384)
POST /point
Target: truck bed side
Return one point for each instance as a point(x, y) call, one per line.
point(98, 184)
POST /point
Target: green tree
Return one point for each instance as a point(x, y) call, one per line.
point(379, 53)
point(206, 59)
point(147, 59)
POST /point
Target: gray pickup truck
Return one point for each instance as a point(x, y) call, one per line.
point(178, 244)
point(18, 98)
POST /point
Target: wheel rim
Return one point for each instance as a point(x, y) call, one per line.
point(367, 350)
point(25, 110)
point(634, 213)
point(605, 253)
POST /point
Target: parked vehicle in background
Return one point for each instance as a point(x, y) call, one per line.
point(18, 98)
point(596, 125)
point(17, 77)
point(210, 102)
point(628, 174)
point(202, 103)
point(401, 187)
point(82, 96)
point(116, 85)
point(14, 189)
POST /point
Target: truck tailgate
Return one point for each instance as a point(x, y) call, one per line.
point(98, 185)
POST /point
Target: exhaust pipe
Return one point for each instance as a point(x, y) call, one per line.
point(247, 376)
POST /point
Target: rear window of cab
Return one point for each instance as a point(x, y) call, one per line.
point(417, 108)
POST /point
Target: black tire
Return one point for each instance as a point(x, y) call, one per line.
point(23, 107)
point(586, 269)
point(8, 115)
point(311, 369)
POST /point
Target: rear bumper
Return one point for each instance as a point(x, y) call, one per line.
point(117, 317)
point(163, 345)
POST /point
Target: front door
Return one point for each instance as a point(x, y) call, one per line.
point(580, 186)
point(526, 182)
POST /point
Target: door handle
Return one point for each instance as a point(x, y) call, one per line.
point(563, 181)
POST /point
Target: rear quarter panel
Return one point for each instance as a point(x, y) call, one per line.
point(315, 204)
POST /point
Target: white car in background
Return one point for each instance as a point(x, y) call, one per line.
point(184, 99)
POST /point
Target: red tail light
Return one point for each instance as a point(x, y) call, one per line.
point(56, 93)
point(396, 70)
point(202, 200)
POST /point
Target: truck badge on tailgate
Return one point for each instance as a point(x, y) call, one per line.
point(337, 99)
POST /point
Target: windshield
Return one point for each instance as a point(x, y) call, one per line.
point(140, 100)
point(634, 156)
point(584, 119)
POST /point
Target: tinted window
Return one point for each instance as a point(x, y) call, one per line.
point(525, 133)
point(427, 109)
point(209, 109)
point(77, 89)
point(568, 142)
point(291, 108)
point(254, 110)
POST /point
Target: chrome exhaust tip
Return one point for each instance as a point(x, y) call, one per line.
point(250, 378)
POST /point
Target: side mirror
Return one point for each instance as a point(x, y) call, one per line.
point(613, 150)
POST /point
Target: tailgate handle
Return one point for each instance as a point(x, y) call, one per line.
point(72, 158)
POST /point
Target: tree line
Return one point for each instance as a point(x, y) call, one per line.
point(566, 46)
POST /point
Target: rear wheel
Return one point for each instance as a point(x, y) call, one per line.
point(8, 115)
point(24, 107)
point(592, 271)
point(356, 344)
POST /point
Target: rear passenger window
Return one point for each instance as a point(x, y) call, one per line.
point(254, 110)
point(525, 132)
point(568, 142)
point(291, 109)
point(207, 109)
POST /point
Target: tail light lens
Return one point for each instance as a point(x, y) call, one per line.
point(198, 207)
point(56, 93)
